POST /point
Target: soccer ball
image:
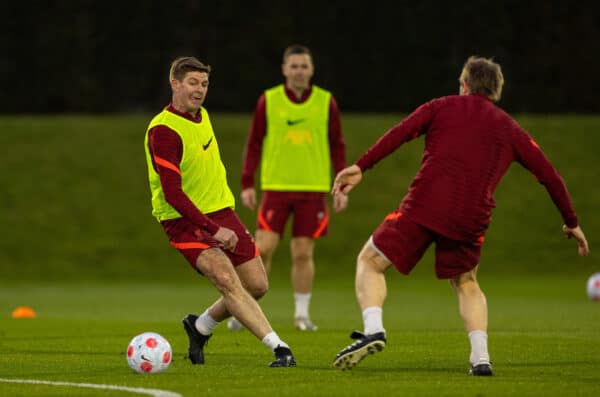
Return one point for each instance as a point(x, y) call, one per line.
point(149, 352)
point(593, 287)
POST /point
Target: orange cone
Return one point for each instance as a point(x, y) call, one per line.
point(23, 312)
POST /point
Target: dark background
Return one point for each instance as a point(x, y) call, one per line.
point(113, 56)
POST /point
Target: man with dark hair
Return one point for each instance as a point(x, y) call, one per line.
point(296, 137)
point(192, 201)
point(469, 145)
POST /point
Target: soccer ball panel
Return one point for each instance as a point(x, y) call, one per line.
point(149, 352)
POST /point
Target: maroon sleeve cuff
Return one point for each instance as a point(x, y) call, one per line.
point(363, 164)
point(571, 222)
point(247, 181)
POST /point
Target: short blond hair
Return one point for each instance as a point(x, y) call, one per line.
point(296, 49)
point(182, 65)
point(483, 76)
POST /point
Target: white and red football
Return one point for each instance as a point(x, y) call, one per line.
point(149, 353)
point(593, 287)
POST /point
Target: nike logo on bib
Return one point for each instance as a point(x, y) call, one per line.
point(294, 122)
point(208, 144)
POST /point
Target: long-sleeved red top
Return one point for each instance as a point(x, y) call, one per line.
point(469, 145)
point(258, 130)
point(166, 145)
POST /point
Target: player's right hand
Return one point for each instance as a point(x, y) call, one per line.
point(582, 245)
point(227, 238)
point(248, 196)
point(346, 179)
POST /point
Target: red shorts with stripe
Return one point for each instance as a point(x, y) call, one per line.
point(311, 216)
point(190, 240)
point(404, 242)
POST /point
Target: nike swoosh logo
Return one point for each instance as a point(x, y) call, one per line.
point(144, 358)
point(208, 144)
point(294, 122)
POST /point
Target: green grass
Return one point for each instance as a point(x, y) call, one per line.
point(81, 247)
point(543, 340)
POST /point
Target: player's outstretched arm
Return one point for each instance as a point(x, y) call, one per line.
point(577, 234)
point(346, 179)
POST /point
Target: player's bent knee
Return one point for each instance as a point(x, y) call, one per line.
point(369, 260)
point(253, 277)
point(258, 289)
point(465, 281)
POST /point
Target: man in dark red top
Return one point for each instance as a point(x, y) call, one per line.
point(469, 145)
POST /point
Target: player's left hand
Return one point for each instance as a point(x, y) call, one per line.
point(582, 245)
point(340, 202)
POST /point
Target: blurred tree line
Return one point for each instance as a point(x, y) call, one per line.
point(113, 56)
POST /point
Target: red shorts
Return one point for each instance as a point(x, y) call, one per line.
point(311, 216)
point(190, 240)
point(404, 242)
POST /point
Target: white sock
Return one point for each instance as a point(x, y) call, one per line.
point(302, 301)
point(205, 323)
point(272, 341)
point(372, 320)
point(479, 349)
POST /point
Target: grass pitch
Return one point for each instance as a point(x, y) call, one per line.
point(544, 340)
point(81, 248)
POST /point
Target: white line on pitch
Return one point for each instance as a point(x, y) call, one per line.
point(139, 390)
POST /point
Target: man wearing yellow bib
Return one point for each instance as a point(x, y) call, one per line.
point(296, 137)
point(192, 201)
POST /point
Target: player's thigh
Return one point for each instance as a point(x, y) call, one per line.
point(454, 258)
point(311, 215)
point(188, 239)
point(253, 276)
point(274, 211)
point(245, 249)
point(267, 241)
point(215, 265)
point(401, 241)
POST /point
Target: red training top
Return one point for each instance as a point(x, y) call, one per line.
point(166, 144)
point(258, 130)
point(469, 145)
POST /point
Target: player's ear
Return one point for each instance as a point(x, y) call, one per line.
point(464, 88)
